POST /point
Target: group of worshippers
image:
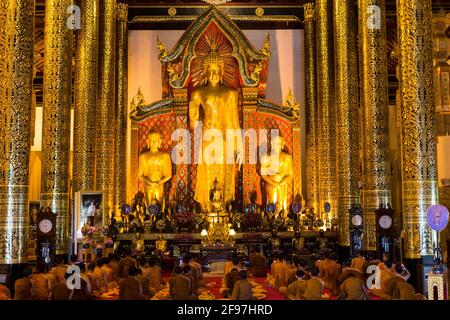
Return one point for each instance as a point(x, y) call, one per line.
point(45, 283)
point(186, 279)
point(327, 278)
point(236, 284)
point(135, 279)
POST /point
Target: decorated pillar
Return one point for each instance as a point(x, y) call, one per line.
point(374, 102)
point(418, 124)
point(180, 178)
point(326, 111)
point(16, 74)
point(85, 96)
point(106, 117)
point(347, 100)
point(56, 117)
point(312, 168)
point(120, 175)
point(251, 177)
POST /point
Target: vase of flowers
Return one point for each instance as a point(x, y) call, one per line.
point(87, 243)
point(105, 230)
point(109, 243)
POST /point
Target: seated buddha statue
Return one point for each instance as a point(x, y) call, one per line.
point(155, 169)
point(216, 198)
point(277, 171)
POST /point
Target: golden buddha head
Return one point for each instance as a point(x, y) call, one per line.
point(213, 66)
point(154, 141)
point(278, 144)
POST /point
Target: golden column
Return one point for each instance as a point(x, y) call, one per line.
point(56, 117)
point(418, 123)
point(16, 75)
point(326, 113)
point(374, 102)
point(106, 120)
point(86, 63)
point(120, 156)
point(347, 100)
point(312, 168)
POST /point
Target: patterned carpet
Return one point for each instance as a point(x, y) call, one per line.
point(209, 278)
point(270, 295)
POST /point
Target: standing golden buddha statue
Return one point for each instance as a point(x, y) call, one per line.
point(219, 106)
point(277, 171)
point(155, 169)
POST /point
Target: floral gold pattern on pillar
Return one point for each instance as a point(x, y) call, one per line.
point(312, 168)
point(120, 176)
point(345, 24)
point(418, 123)
point(16, 54)
point(56, 117)
point(85, 92)
point(326, 104)
point(104, 162)
point(374, 102)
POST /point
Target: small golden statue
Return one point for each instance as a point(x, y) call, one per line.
point(277, 171)
point(155, 169)
point(219, 104)
point(138, 243)
point(216, 198)
point(161, 244)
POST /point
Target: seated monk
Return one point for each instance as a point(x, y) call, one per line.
point(5, 294)
point(275, 265)
point(359, 263)
point(398, 289)
point(125, 263)
point(145, 284)
point(107, 270)
point(114, 265)
point(172, 281)
point(60, 290)
point(100, 275)
point(130, 288)
point(282, 274)
point(227, 266)
point(90, 275)
point(230, 280)
point(292, 272)
point(312, 289)
point(257, 265)
point(23, 287)
point(303, 265)
point(352, 288)
point(42, 283)
point(154, 274)
point(59, 270)
point(196, 272)
point(242, 288)
point(294, 290)
point(329, 272)
point(85, 289)
point(346, 271)
point(183, 286)
point(385, 274)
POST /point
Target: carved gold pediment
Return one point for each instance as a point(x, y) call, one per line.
point(250, 61)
